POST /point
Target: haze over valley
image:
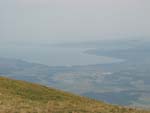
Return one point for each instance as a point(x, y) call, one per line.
point(117, 73)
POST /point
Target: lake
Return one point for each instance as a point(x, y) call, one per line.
point(54, 56)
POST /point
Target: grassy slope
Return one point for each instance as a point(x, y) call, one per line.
point(23, 97)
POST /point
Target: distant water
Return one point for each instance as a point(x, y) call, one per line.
point(55, 56)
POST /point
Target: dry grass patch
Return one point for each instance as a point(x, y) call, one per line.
point(23, 97)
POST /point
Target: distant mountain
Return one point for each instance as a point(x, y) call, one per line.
point(24, 70)
point(23, 97)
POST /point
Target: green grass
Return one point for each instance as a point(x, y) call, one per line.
point(23, 97)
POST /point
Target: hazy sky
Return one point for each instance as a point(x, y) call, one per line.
point(59, 20)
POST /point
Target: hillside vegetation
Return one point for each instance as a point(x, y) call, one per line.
point(23, 97)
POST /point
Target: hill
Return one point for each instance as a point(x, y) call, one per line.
point(23, 97)
point(125, 84)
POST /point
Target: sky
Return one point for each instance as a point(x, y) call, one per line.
point(73, 20)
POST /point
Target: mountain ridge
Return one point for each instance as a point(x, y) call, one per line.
point(23, 97)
